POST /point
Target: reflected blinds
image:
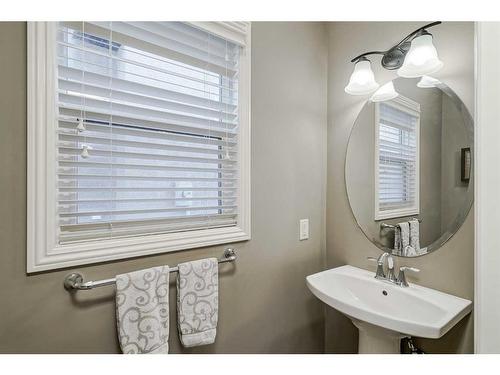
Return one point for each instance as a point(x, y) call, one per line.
point(398, 157)
point(147, 129)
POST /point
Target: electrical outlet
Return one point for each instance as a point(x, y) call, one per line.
point(303, 229)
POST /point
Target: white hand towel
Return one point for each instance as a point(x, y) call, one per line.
point(142, 311)
point(198, 301)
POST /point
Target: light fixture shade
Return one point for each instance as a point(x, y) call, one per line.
point(386, 92)
point(427, 82)
point(362, 81)
point(421, 59)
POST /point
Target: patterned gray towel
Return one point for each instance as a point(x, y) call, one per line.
point(397, 240)
point(142, 311)
point(404, 230)
point(198, 301)
point(414, 238)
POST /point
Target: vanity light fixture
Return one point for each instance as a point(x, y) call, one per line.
point(386, 92)
point(427, 82)
point(414, 56)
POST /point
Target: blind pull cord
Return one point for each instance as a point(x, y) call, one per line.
point(85, 151)
point(81, 126)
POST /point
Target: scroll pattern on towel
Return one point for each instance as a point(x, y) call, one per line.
point(198, 296)
point(142, 310)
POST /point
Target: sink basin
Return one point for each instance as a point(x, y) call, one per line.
point(385, 312)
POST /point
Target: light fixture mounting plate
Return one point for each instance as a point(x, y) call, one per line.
point(393, 59)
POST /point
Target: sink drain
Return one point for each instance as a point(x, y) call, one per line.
point(384, 292)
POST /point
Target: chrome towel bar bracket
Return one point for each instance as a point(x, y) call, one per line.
point(390, 226)
point(74, 281)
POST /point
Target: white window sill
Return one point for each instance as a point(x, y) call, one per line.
point(77, 254)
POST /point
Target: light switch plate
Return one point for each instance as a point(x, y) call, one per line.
point(303, 229)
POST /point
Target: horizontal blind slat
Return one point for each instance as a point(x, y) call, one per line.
point(74, 151)
point(78, 213)
point(120, 200)
point(77, 139)
point(66, 177)
point(145, 188)
point(144, 167)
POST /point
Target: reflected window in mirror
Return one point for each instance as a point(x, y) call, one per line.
point(397, 155)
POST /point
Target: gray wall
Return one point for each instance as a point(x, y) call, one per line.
point(430, 153)
point(454, 138)
point(451, 268)
point(265, 306)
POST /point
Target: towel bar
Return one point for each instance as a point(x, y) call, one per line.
point(74, 281)
point(390, 226)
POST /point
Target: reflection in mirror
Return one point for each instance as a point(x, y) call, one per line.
point(408, 167)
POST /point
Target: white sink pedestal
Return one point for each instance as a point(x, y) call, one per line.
point(377, 340)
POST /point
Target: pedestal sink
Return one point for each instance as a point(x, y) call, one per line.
point(383, 312)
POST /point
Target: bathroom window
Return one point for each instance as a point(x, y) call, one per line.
point(138, 139)
point(397, 154)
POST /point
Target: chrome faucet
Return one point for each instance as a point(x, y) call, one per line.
point(391, 277)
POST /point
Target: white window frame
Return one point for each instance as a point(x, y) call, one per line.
point(411, 107)
point(43, 250)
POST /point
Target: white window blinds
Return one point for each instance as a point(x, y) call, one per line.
point(147, 129)
point(398, 155)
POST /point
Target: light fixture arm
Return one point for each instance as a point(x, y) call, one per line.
point(393, 58)
point(357, 58)
point(418, 32)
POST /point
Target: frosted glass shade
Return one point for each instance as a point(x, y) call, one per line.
point(428, 82)
point(421, 59)
point(386, 92)
point(362, 81)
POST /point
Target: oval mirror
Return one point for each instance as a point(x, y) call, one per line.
point(408, 167)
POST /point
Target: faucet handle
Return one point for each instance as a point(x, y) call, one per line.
point(401, 279)
point(380, 274)
point(406, 268)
